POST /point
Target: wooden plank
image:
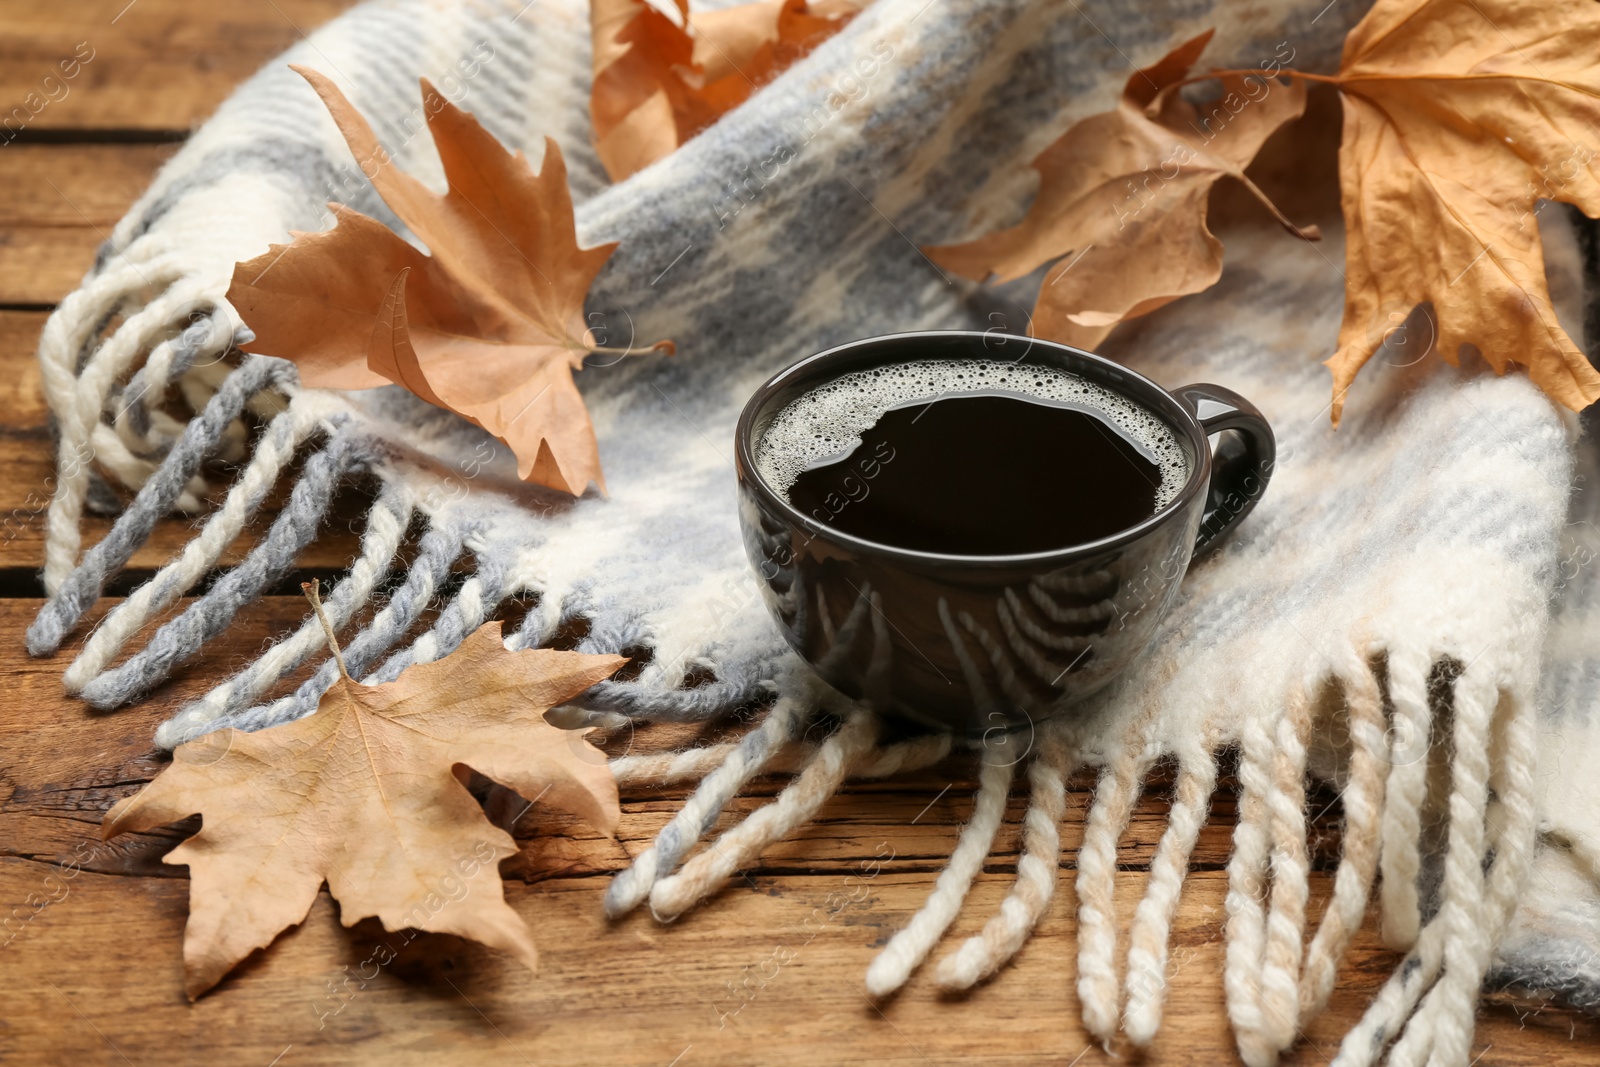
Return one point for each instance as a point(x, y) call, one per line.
point(62, 202)
point(23, 410)
point(75, 185)
point(139, 65)
point(52, 793)
point(27, 469)
point(767, 972)
point(42, 264)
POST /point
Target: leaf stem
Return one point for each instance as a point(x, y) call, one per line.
point(660, 346)
point(1305, 233)
point(312, 590)
point(1282, 72)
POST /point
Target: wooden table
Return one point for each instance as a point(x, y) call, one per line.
point(90, 971)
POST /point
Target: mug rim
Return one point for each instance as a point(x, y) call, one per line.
point(1170, 407)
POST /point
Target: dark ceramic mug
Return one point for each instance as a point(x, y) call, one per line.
point(979, 642)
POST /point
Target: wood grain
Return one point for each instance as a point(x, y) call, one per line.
point(27, 466)
point(155, 65)
point(768, 972)
point(61, 204)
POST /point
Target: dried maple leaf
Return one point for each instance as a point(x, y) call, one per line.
point(1460, 115)
point(741, 48)
point(489, 323)
point(1122, 200)
point(658, 81)
point(363, 794)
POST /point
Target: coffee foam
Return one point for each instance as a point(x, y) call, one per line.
point(826, 423)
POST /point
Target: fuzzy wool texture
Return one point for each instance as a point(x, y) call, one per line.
point(1552, 950)
point(1413, 551)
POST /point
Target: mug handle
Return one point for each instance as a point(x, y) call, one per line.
point(1241, 465)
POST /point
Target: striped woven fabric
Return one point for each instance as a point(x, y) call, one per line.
point(1380, 614)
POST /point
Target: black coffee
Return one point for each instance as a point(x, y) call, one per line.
point(990, 471)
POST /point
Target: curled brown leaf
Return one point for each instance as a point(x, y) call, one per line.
point(488, 322)
point(659, 80)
